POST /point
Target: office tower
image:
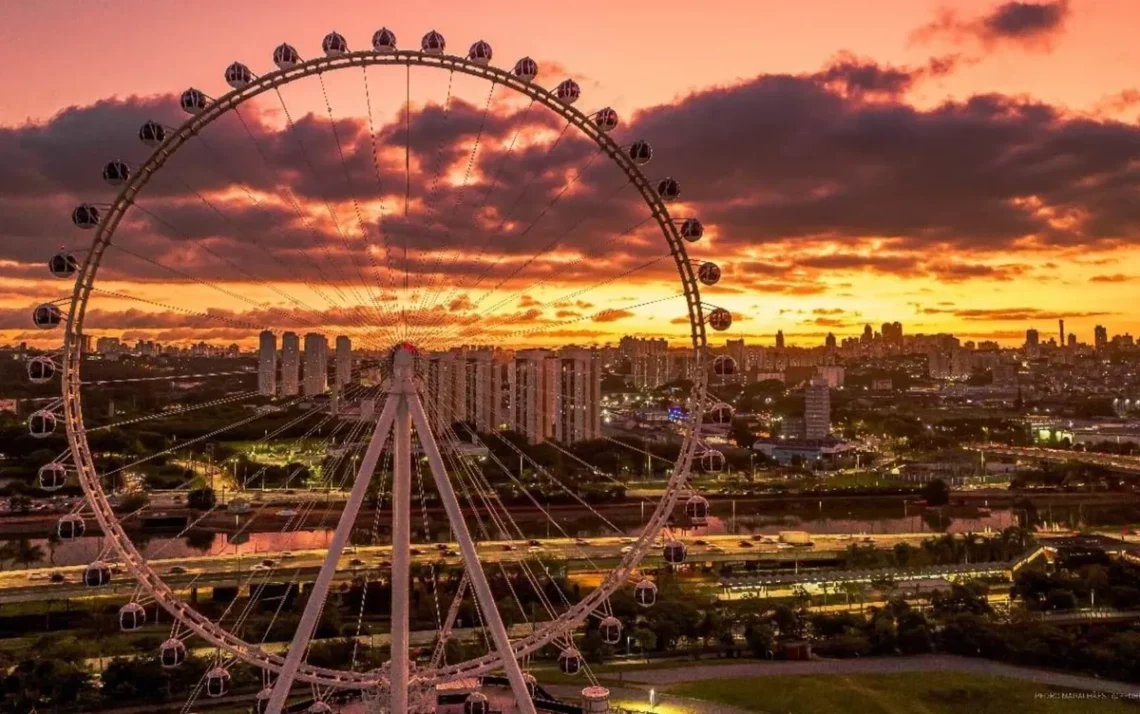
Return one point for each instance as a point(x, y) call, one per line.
point(829, 341)
point(817, 409)
point(530, 396)
point(1072, 339)
point(779, 339)
point(316, 364)
point(290, 364)
point(267, 364)
point(868, 334)
point(577, 395)
point(343, 363)
point(445, 387)
point(1032, 338)
point(1100, 337)
point(893, 334)
point(1061, 327)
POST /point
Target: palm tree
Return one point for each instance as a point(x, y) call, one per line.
point(7, 552)
point(27, 553)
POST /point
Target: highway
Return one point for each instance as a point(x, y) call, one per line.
point(595, 554)
point(1123, 464)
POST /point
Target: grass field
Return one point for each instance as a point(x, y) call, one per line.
point(909, 693)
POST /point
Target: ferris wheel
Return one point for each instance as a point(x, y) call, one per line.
point(410, 246)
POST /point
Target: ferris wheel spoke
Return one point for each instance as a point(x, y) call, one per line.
point(493, 184)
point(471, 559)
point(175, 308)
point(164, 378)
point(364, 233)
point(444, 334)
point(364, 283)
point(286, 317)
point(379, 181)
point(481, 486)
point(509, 214)
point(269, 218)
point(432, 293)
point(432, 216)
point(319, 591)
point(354, 304)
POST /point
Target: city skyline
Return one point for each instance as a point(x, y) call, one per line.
point(803, 266)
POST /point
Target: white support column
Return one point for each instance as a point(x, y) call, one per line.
point(524, 703)
point(313, 607)
point(401, 555)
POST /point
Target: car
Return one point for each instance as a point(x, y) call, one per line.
point(868, 540)
point(581, 541)
point(745, 544)
point(177, 570)
point(269, 562)
point(451, 553)
point(441, 546)
point(700, 541)
point(627, 541)
point(58, 578)
point(259, 566)
point(535, 543)
point(385, 564)
point(508, 547)
point(286, 555)
point(356, 562)
point(286, 513)
point(415, 551)
point(784, 546)
point(627, 549)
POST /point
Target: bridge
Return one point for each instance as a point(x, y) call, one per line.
point(1121, 464)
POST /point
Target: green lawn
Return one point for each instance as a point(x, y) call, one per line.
point(902, 693)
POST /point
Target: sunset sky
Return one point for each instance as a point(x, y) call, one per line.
point(969, 167)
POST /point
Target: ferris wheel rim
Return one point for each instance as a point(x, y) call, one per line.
point(89, 479)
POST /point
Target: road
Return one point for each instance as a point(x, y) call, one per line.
point(585, 555)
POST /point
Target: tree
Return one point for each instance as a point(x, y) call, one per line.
point(936, 493)
point(202, 499)
point(27, 553)
point(761, 641)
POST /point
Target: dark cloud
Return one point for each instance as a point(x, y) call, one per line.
point(1029, 24)
point(860, 77)
point(1010, 314)
point(1114, 278)
point(819, 162)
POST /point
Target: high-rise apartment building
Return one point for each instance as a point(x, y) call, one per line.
point(829, 341)
point(1032, 338)
point(779, 339)
point(485, 382)
point(445, 385)
point(267, 364)
point(577, 395)
point(316, 364)
point(532, 395)
point(817, 409)
point(343, 363)
point(649, 361)
point(290, 384)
